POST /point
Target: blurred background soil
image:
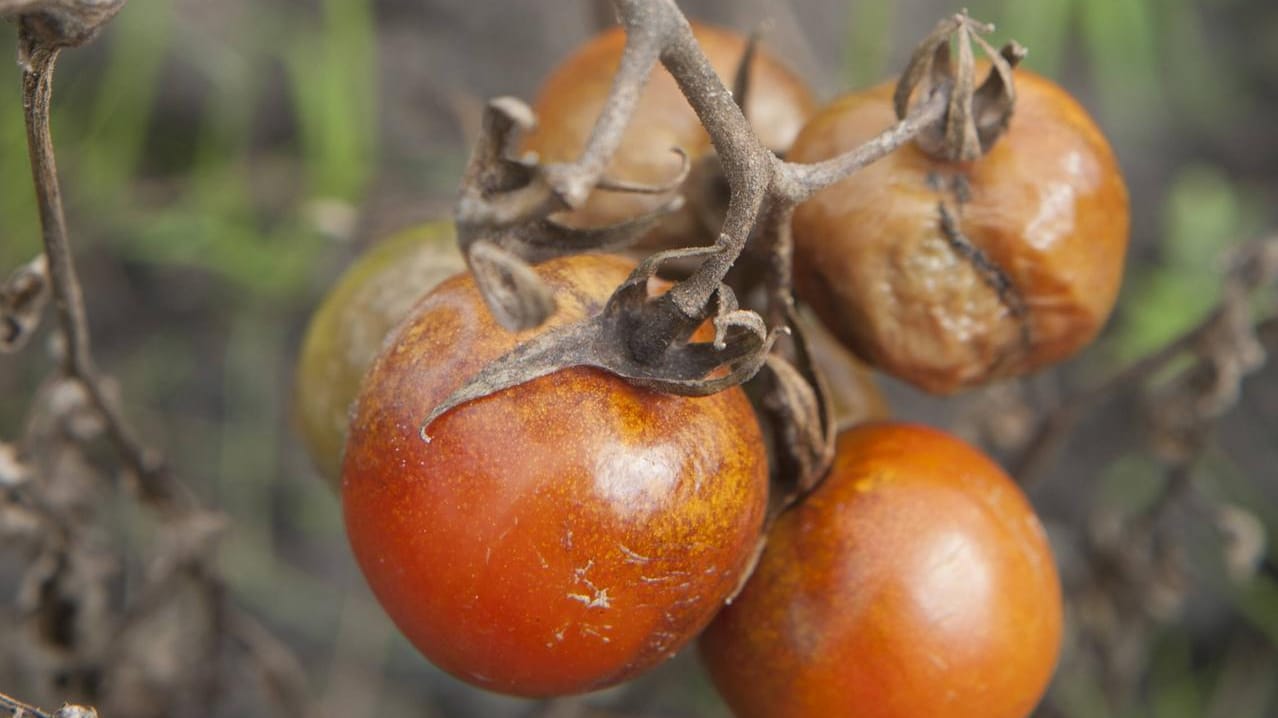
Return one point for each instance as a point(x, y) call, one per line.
point(223, 161)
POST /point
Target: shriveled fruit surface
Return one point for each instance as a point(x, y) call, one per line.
point(1027, 274)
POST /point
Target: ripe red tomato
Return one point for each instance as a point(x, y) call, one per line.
point(556, 537)
point(777, 105)
point(915, 581)
point(348, 329)
point(1047, 206)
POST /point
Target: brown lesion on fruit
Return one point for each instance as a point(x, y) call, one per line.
point(994, 276)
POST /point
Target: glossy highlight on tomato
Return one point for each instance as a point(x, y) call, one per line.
point(915, 581)
point(570, 101)
point(348, 329)
point(1046, 206)
point(553, 538)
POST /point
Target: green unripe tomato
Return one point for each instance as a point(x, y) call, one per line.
point(352, 322)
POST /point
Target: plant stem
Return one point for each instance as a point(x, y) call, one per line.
point(155, 483)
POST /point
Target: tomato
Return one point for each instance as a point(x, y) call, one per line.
point(1046, 209)
point(777, 105)
point(556, 537)
point(348, 329)
point(914, 581)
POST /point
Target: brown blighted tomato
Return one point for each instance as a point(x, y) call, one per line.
point(352, 322)
point(915, 581)
point(556, 537)
point(1046, 210)
point(777, 105)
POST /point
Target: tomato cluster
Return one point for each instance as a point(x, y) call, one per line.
point(1020, 271)
point(567, 533)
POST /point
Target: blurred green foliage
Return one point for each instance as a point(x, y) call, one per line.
point(205, 212)
point(215, 196)
point(1204, 214)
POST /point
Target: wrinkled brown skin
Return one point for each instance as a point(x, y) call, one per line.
point(1047, 205)
point(572, 97)
point(915, 581)
point(350, 325)
point(556, 537)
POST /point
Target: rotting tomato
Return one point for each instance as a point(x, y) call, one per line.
point(915, 581)
point(348, 329)
point(556, 537)
point(777, 105)
point(1025, 274)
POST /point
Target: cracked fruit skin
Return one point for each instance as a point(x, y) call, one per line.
point(556, 537)
point(350, 325)
point(1047, 206)
point(914, 581)
point(574, 94)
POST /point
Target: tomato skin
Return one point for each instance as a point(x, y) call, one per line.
point(915, 581)
point(350, 325)
point(1047, 205)
point(576, 91)
point(556, 537)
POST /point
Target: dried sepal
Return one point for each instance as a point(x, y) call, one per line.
point(504, 217)
point(961, 142)
point(686, 368)
point(550, 239)
point(996, 97)
point(793, 397)
point(516, 296)
point(55, 24)
point(494, 166)
point(929, 57)
point(610, 184)
point(22, 300)
point(501, 265)
point(975, 116)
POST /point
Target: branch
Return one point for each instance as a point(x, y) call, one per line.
point(18, 709)
point(1255, 267)
point(502, 200)
point(505, 205)
point(155, 482)
point(800, 181)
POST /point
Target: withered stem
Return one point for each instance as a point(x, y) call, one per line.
point(1052, 432)
point(155, 483)
point(801, 181)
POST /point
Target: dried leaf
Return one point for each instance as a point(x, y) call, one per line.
point(58, 23)
point(22, 300)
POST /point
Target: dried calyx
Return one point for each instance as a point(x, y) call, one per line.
point(976, 116)
point(55, 24)
point(505, 222)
